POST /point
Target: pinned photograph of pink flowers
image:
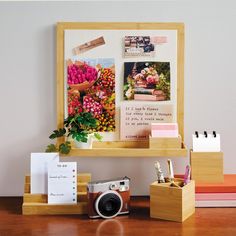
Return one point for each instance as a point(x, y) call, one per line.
point(147, 81)
point(91, 88)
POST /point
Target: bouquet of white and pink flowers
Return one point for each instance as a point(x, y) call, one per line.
point(148, 77)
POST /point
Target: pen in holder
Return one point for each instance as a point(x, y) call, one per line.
point(187, 175)
point(171, 175)
point(160, 176)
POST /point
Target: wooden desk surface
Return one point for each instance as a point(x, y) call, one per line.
point(206, 221)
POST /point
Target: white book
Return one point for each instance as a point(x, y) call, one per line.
point(62, 183)
point(216, 203)
point(39, 171)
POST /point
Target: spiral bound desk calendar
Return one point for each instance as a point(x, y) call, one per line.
point(206, 142)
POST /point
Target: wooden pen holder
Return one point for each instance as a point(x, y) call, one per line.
point(172, 203)
point(207, 167)
point(165, 142)
point(36, 204)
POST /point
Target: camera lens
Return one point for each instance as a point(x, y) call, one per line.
point(109, 204)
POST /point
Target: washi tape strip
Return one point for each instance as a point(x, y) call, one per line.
point(88, 46)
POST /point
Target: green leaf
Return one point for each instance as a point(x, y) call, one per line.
point(65, 148)
point(51, 148)
point(61, 132)
point(57, 133)
point(98, 136)
point(52, 136)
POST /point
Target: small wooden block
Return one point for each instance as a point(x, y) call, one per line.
point(46, 209)
point(165, 143)
point(27, 188)
point(172, 203)
point(82, 187)
point(84, 178)
point(207, 167)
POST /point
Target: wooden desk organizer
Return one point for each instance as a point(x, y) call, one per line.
point(172, 203)
point(166, 142)
point(36, 204)
point(207, 167)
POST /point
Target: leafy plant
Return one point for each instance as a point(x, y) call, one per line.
point(78, 127)
point(164, 85)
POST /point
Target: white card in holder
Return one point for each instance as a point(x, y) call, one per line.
point(39, 171)
point(206, 142)
point(62, 183)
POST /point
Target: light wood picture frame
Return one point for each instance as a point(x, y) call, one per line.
point(62, 27)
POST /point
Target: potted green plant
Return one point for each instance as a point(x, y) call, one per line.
point(80, 128)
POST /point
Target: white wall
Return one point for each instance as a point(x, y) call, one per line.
point(27, 74)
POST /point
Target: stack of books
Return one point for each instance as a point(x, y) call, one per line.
point(145, 94)
point(217, 194)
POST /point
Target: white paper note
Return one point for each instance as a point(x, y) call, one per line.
point(38, 171)
point(62, 183)
point(206, 144)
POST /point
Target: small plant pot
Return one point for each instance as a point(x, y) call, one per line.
point(82, 145)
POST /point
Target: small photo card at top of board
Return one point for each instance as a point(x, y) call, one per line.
point(136, 119)
point(62, 183)
point(39, 171)
point(138, 46)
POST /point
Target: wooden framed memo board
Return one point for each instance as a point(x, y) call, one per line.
point(127, 75)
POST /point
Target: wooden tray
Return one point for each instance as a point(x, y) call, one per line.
point(128, 149)
point(36, 204)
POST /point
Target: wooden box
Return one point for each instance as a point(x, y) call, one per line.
point(36, 204)
point(166, 142)
point(207, 167)
point(172, 203)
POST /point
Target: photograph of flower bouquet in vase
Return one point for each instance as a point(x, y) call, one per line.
point(147, 81)
point(91, 88)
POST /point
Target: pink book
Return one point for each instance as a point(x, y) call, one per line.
point(164, 130)
point(216, 203)
point(145, 97)
point(215, 196)
point(228, 186)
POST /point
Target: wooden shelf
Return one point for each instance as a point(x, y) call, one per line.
point(128, 149)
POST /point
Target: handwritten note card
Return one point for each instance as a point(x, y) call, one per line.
point(136, 119)
point(62, 183)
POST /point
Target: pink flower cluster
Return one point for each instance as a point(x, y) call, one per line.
point(90, 105)
point(148, 76)
point(77, 74)
point(151, 79)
